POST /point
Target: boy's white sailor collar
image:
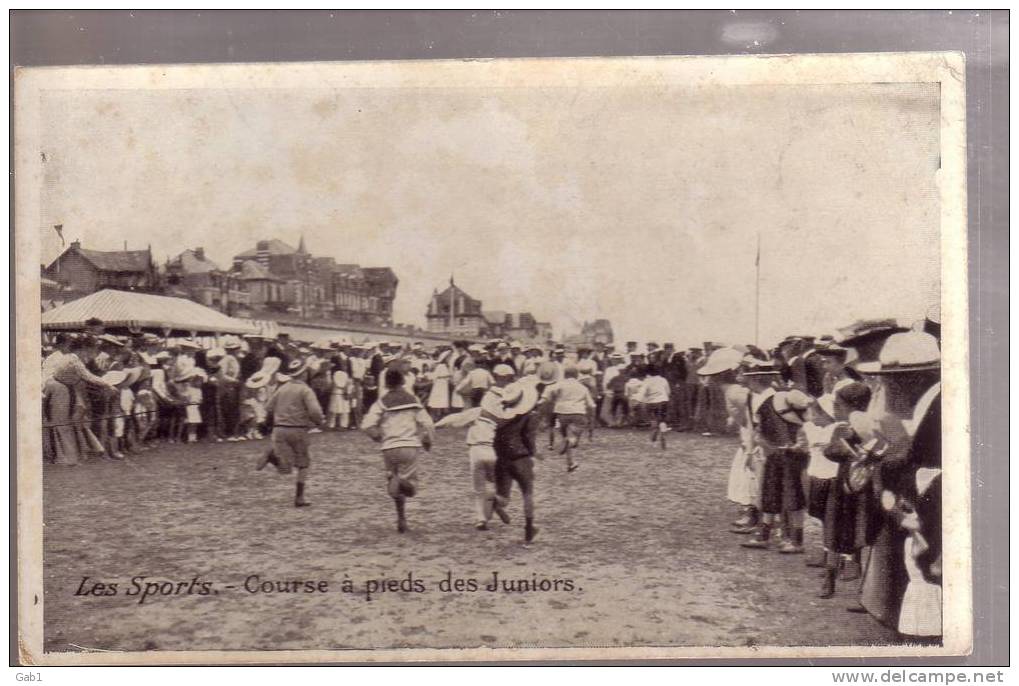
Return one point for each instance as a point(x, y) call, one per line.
point(758, 399)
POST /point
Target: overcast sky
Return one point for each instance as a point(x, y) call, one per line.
point(641, 205)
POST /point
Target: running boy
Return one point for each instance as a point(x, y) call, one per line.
point(401, 424)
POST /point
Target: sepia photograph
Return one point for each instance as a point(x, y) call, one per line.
point(493, 359)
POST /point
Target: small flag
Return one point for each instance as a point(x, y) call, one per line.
point(59, 228)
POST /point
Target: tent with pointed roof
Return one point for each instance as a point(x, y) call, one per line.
point(129, 311)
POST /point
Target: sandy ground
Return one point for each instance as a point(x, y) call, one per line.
point(642, 534)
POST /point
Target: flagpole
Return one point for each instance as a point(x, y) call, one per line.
point(757, 293)
point(452, 303)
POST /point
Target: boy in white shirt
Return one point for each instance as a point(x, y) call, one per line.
point(481, 450)
point(633, 391)
point(401, 424)
point(574, 411)
point(654, 394)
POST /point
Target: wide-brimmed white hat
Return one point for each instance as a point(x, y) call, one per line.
point(911, 351)
point(270, 365)
point(257, 380)
point(791, 405)
point(231, 343)
point(115, 377)
point(520, 397)
point(721, 360)
point(503, 370)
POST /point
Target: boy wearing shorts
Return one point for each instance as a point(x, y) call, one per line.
point(403, 426)
point(294, 409)
point(574, 411)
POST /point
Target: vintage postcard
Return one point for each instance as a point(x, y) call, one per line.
point(518, 359)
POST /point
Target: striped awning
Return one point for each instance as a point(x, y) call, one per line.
point(141, 311)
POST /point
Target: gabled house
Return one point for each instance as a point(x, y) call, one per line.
point(83, 271)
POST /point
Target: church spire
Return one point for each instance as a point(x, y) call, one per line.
point(300, 246)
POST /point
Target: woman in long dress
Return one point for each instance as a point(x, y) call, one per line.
point(456, 401)
point(438, 397)
point(339, 399)
point(65, 405)
point(62, 441)
point(720, 373)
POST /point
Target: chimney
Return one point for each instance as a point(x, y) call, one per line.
point(76, 244)
point(262, 250)
point(200, 254)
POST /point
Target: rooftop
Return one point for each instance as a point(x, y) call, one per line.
point(116, 261)
point(273, 247)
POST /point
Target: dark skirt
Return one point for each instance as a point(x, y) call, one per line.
point(817, 497)
point(884, 575)
point(844, 515)
point(781, 485)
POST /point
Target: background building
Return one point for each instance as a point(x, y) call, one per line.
point(192, 275)
point(289, 280)
point(598, 331)
point(455, 313)
point(81, 271)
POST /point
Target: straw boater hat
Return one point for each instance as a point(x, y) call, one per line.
point(910, 351)
point(832, 350)
point(722, 360)
point(231, 343)
point(215, 354)
point(866, 337)
point(112, 340)
point(761, 369)
point(188, 345)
